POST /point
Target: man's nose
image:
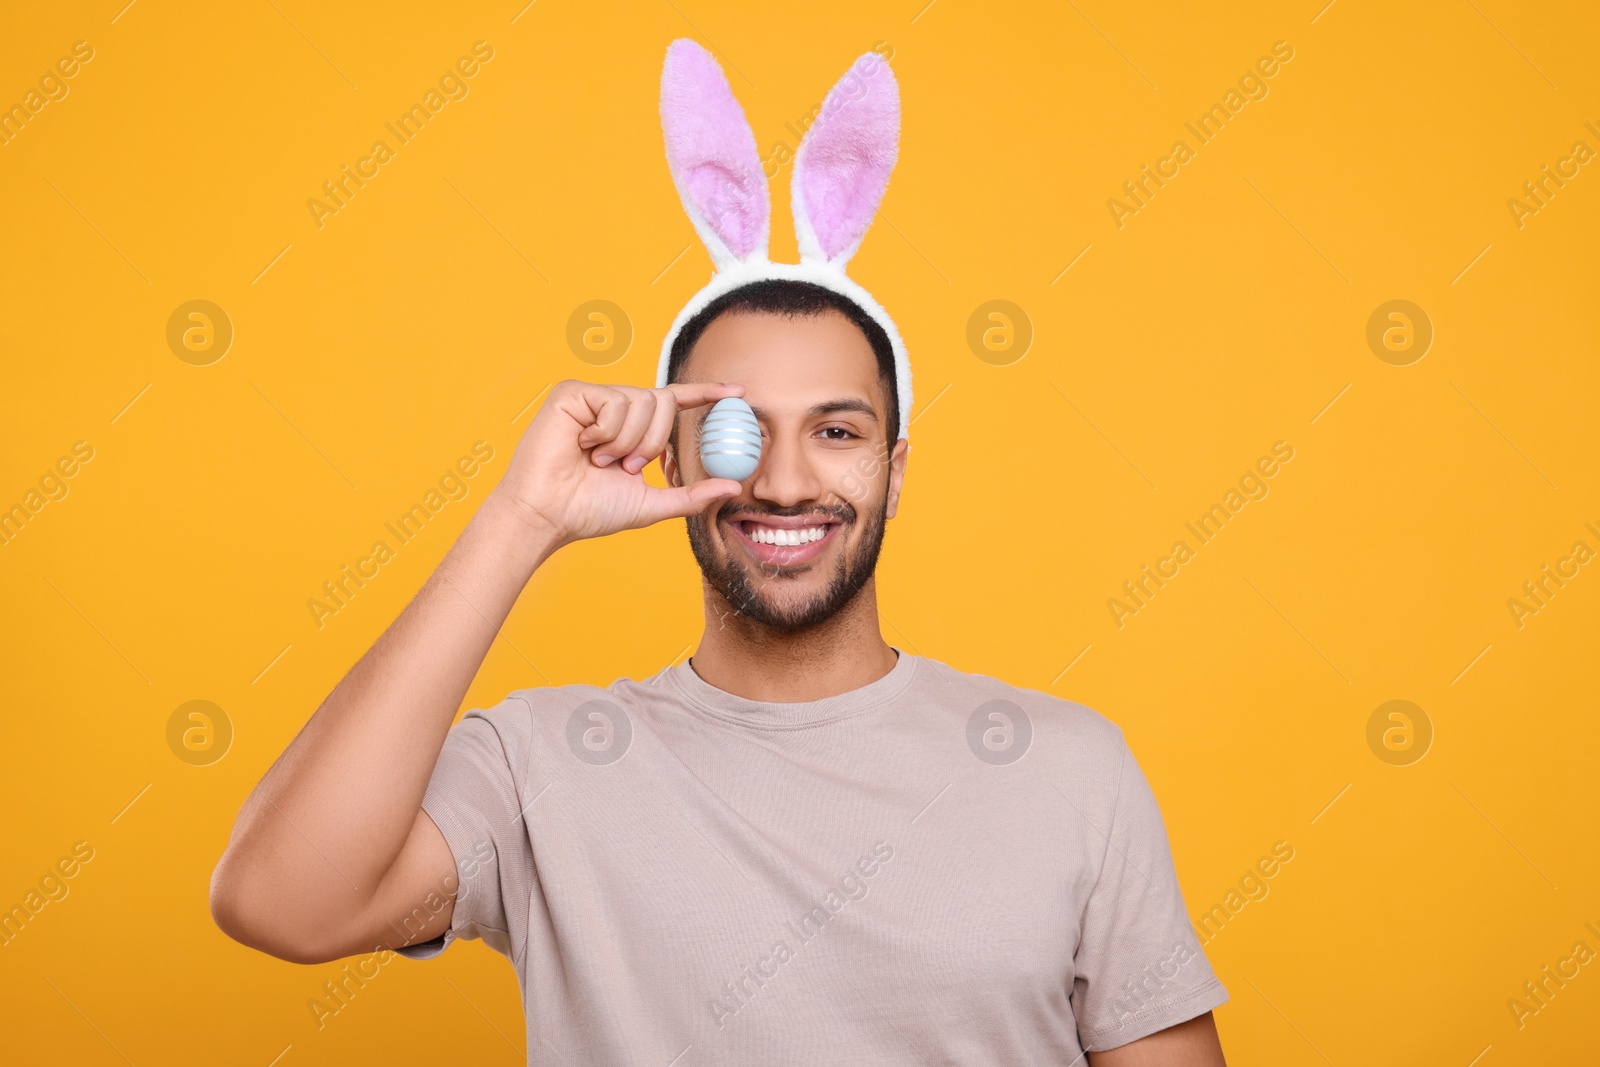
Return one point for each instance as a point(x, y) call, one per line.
point(787, 475)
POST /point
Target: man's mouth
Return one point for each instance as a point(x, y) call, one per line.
point(785, 542)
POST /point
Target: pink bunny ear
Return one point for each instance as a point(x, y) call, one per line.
point(843, 165)
point(712, 155)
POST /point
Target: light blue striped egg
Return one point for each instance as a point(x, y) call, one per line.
point(730, 440)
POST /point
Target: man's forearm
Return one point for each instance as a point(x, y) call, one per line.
point(316, 836)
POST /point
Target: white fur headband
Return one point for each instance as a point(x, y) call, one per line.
point(840, 174)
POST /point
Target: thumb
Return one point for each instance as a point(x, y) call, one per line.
point(679, 501)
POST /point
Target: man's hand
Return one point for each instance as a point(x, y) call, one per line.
point(577, 468)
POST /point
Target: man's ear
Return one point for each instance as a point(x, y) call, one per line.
point(897, 474)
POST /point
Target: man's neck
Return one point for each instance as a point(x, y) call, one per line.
point(757, 663)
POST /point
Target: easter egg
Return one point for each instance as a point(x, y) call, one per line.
point(730, 440)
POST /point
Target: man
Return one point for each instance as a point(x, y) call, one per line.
point(800, 846)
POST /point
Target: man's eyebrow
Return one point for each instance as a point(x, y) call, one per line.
point(828, 407)
point(834, 407)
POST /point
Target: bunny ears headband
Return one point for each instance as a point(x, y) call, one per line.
point(840, 174)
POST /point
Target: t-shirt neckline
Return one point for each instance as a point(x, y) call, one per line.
point(772, 714)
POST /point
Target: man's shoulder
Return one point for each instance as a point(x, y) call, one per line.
point(531, 723)
point(1045, 712)
point(541, 703)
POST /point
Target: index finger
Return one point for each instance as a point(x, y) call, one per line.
point(695, 394)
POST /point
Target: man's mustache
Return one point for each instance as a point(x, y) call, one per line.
point(844, 514)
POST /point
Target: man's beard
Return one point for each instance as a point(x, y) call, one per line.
point(741, 583)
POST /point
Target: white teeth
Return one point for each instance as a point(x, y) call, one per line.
point(767, 535)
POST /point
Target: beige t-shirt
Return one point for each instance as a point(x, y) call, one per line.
point(934, 868)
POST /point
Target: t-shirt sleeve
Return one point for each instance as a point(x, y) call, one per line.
point(1139, 967)
point(475, 798)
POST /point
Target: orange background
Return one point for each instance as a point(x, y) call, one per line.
point(1229, 313)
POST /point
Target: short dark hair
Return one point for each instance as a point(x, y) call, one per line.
point(791, 299)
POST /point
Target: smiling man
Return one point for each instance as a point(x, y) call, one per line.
point(801, 845)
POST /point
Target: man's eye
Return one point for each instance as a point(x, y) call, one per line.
point(839, 429)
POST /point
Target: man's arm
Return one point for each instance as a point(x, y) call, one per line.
point(332, 845)
point(332, 848)
point(1189, 1044)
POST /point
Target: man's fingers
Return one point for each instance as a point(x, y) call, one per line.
point(694, 394)
point(679, 501)
point(654, 441)
point(642, 405)
point(632, 424)
point(608, 419)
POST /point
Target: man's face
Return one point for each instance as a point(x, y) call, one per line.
point(828, 480)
